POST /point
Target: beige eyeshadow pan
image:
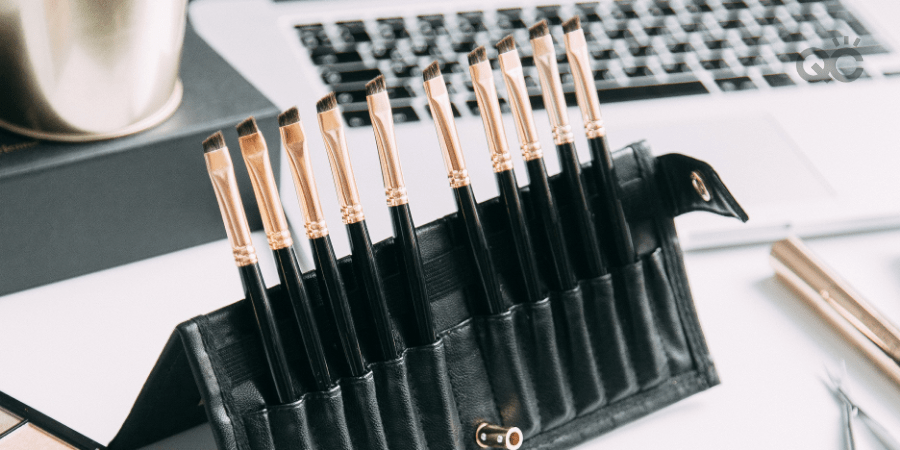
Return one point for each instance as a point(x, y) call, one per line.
point(30, 437)
point(8, 420)
point(24, 428)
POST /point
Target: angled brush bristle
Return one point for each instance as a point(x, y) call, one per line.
point(289, 117)
point(478, 55)
point(506, 44)
point(375, 86)
point(247, 127)
point(538, 30)
point(214, 142)
point(572, 24)
point(432, 71)
point(327, 103)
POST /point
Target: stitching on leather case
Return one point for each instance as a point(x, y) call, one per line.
point(459, 329)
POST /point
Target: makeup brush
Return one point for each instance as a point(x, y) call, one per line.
point(293, 137)
point(398, 204)
point(489, 105)
point(570, 168)
point(221, 172)
point(541, 196)
point(331, 124)
point(439, 101)
point(256, 158)
point(619, 242)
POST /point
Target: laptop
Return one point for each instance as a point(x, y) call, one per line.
point(794, 102)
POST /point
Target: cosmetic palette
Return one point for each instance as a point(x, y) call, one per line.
point(23, 428)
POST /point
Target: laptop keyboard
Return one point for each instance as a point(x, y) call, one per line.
point(641, 49)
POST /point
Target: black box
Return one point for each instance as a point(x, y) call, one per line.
point(72, 209)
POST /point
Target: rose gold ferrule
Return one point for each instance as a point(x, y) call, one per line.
point(221, 172)
point(332, 127)
point(514, 78)
point(585, 88)
point(551, 88)
point(448, 138)
point(256, 158)
point(294, 139)
point(383, 124)
point(489, 105)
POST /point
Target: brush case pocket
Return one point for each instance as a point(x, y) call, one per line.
point(565, 369)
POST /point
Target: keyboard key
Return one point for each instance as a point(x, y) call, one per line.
point(676, 68)
point(313, 35)
point(405, 114)
point(588, 12)
point(661, 8)
point(748, 61)
point(714, 64)
point(432, 25)
point(698, 6)
point(731, 24)
point(403, 71)
point(550, 13)
point(537, 102)
point(605, 54)
point(392, 28)
point(735, 84)
point(602, 74)
point(359, 95)
point(355, 76)
point(357, 118)
point(630, 93)
point(337, 58)
point(625, 10)
point(354, 31)
point(717, 44)
point(753, 41)
point(638, 71)
point(642, 51)
point(471, 22)
point(778, 80)
point(464, 47)
point(509, 19)
point(734, 5)
point(682, 47)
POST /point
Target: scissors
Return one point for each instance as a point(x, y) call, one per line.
point(851, 412)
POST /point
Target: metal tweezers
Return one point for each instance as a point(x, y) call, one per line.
point(851, 412)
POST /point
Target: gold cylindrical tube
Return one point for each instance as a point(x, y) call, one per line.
point(332, 128)
point(489, 105)
point(221, 172)
point(448, 138)
point(514, 78)
point(495, 436)
point(585, 88)
point(294, 139)
point(835, 291)
point(551, 88)
point(383, 124)
point(256, 158)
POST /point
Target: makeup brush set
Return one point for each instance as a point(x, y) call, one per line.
point(538, 319)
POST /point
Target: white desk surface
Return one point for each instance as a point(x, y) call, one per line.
point(79, 350)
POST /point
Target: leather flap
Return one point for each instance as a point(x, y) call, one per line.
point(689, 184)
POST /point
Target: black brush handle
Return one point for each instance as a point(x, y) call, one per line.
point(292, 281)
point(255, 292)
point(332, 286)
point(548, 216)
point(570, 168)
point(484, 264)
point(366, 271)
point(405, 236)
point(512, 204)
point(618, 242)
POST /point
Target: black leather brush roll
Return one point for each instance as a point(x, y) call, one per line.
point(563, 370)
